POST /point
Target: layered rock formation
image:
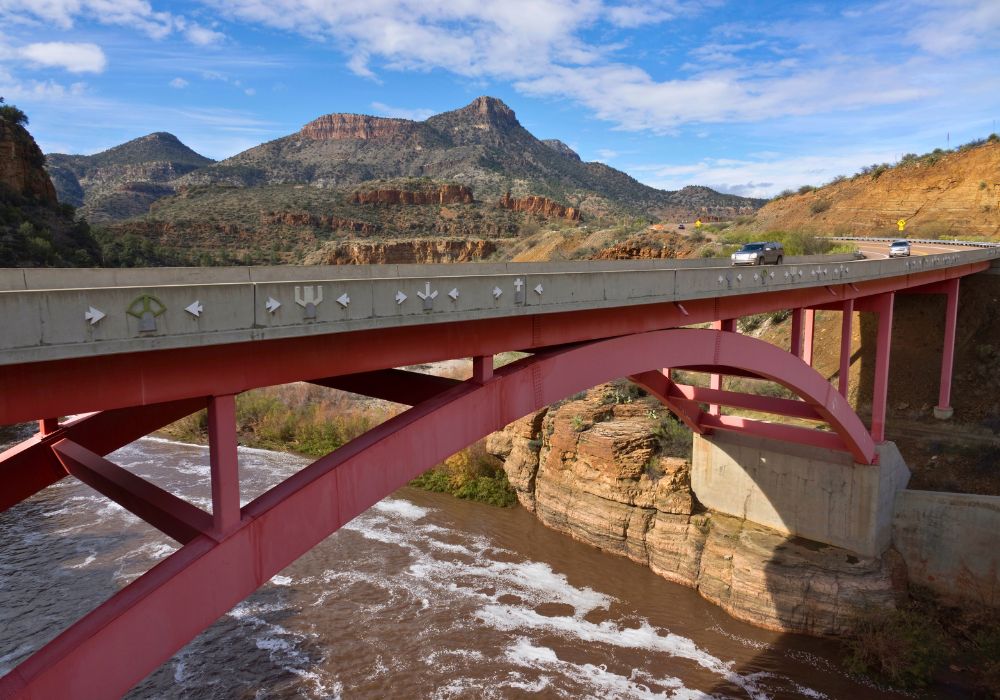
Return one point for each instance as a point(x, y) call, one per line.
point(420, 251)
point(22, 169)
point(336, 127)
point(319, 221)
point(539, 206)
point(594, 471)
point(445, 194)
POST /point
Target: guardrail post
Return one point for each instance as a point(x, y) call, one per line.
point(846, 331)
point(943, 410)
point(225, 465)
point(883, 345)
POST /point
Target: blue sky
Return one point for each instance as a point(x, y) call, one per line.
point(746, 97)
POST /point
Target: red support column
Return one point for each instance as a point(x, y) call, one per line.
point(845, 347)
point(482, 368)
point(880, 391)
point(796, 342)
point(944, 410)
point(47, 426)
point(225, 465)
point(808, 330)
point(715, 380)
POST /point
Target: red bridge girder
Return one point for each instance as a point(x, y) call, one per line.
point(111, 649)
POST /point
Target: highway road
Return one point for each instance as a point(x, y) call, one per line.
point(876, 250)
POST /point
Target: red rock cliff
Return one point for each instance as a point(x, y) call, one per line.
point(540, 206)
point(446, 194)
point(333, 127)
point(22, 164)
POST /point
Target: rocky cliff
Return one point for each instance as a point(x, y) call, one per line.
point(336, 127)
point(539, 206)
point(445, 194)
point(955, 193)
point(595, 471)
point(22, 170)
point(422, 251)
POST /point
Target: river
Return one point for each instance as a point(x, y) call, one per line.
point(422, 596)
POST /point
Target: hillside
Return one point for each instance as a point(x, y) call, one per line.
point(939, 194)
point(35, 230)
point(123, 181)
point(481, 145)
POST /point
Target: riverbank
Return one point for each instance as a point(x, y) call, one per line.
point(610, 468)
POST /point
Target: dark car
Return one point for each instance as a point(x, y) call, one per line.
point(759, 254)
point(680, 226)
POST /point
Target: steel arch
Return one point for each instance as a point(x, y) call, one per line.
point(111, 649)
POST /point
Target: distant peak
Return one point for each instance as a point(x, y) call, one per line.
point(491, 109)
point(337, 126)
point(160, 136)
point(561, 148)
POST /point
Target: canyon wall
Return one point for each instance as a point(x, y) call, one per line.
point(539, 206)
point(595, 470)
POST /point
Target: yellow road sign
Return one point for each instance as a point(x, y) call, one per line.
point(697, 224)
point(902, 224)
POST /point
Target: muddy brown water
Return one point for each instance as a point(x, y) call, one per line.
point(422, 596)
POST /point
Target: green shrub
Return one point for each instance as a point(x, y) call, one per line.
point(806, 189)
point(673, 437)
point(819, 206)
point(902, 647)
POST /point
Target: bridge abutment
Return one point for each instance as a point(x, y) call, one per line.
point(810, 492)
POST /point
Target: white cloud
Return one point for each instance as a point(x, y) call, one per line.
point(250, 91)
point(201, 36)
point(76, 58)
point(137, 14)
point(418, 114)
point(764, 177)
point(178, 83)
point(606, 154)
point(957, 26)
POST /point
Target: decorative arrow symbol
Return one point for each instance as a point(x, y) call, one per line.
point(400, 297)
point(272, 304)
point(497, 292)
point(518, 283)
point(195, 308)
point(93, 315)
point(539, 289)
point(344, 300)
point(453, 294)
point(427, 294)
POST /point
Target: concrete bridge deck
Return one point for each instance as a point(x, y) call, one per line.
point(52, 314)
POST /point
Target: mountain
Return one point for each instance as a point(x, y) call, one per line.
point(123, 181)
point(481, 145)
point(34, 229)
point(943, 193)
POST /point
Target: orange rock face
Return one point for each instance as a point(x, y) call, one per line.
point(333, 127)
point(21, 165)
point(301, 218)
point(446, 194)
point(422, 251)
point(539, 206)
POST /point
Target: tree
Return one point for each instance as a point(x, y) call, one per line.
point(10, 113)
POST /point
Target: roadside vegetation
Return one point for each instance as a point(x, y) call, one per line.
point(313, 421)
point(926, 641)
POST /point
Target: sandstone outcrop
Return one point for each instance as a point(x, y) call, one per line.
point(22, 165)
point(420, 251)
point(594, 471)
point(445, 194)
point(336, 127)
point(539, 206)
